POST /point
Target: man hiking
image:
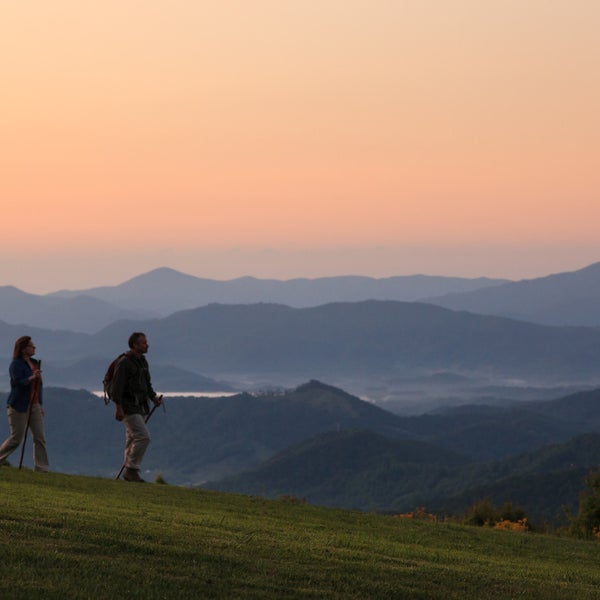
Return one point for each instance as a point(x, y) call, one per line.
point(131, 391)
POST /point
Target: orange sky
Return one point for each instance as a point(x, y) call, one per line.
point(284, 138)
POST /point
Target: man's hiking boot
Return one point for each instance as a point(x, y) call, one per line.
point(132, 475)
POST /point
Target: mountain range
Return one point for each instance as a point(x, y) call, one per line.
point(77, 313)
point(373, 341)
point(570, 298)
point(164, 291)
point(496, 340)
point(561, 299)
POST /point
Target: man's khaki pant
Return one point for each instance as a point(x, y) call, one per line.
point(17, 422)
point(137, 439)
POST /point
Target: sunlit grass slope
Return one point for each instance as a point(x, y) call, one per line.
point(79, 537)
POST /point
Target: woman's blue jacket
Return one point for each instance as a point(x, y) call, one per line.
point(20, 386)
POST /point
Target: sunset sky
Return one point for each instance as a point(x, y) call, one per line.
point(297, 138)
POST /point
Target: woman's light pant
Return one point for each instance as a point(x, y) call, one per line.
point(17, 422)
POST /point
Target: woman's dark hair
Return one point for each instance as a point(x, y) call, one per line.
point(20, 345)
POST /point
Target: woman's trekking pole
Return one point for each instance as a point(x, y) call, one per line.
point(26, 432)
point(33, 389)
point(145, 421)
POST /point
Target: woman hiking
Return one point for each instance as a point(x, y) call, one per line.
point(25, 404)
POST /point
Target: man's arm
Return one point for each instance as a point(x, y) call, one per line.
point(156, 399)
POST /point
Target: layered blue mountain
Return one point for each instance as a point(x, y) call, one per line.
point(80, 312)
point(371, 340)
point(562, 299)
point(570, 298)
point(164, 291)
point(88, 373)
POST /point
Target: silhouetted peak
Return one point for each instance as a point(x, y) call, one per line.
point(314, 385)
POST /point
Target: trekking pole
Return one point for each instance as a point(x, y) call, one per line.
point(33, 389)
point(26, 432)
point(145, 421)
point(150, 413)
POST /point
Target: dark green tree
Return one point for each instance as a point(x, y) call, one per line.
point(587, 521)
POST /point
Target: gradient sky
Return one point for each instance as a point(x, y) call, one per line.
point(287, 138)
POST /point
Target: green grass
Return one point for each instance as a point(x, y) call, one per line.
point(80, 537)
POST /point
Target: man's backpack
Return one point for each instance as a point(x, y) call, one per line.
point(109, 375)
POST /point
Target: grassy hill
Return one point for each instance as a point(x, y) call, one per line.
point(80, 537)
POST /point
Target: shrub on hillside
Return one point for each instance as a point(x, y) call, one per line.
point(485, 514)
point(586, 523)
point(419, 513)
point(521, 525)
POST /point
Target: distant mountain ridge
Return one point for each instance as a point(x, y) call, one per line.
point(164, 291)
point(373, 338)
point(81, 313)
point(571, 298)
point(88, 373)
point(370, 340)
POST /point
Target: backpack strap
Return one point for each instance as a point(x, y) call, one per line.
point(108, 377)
